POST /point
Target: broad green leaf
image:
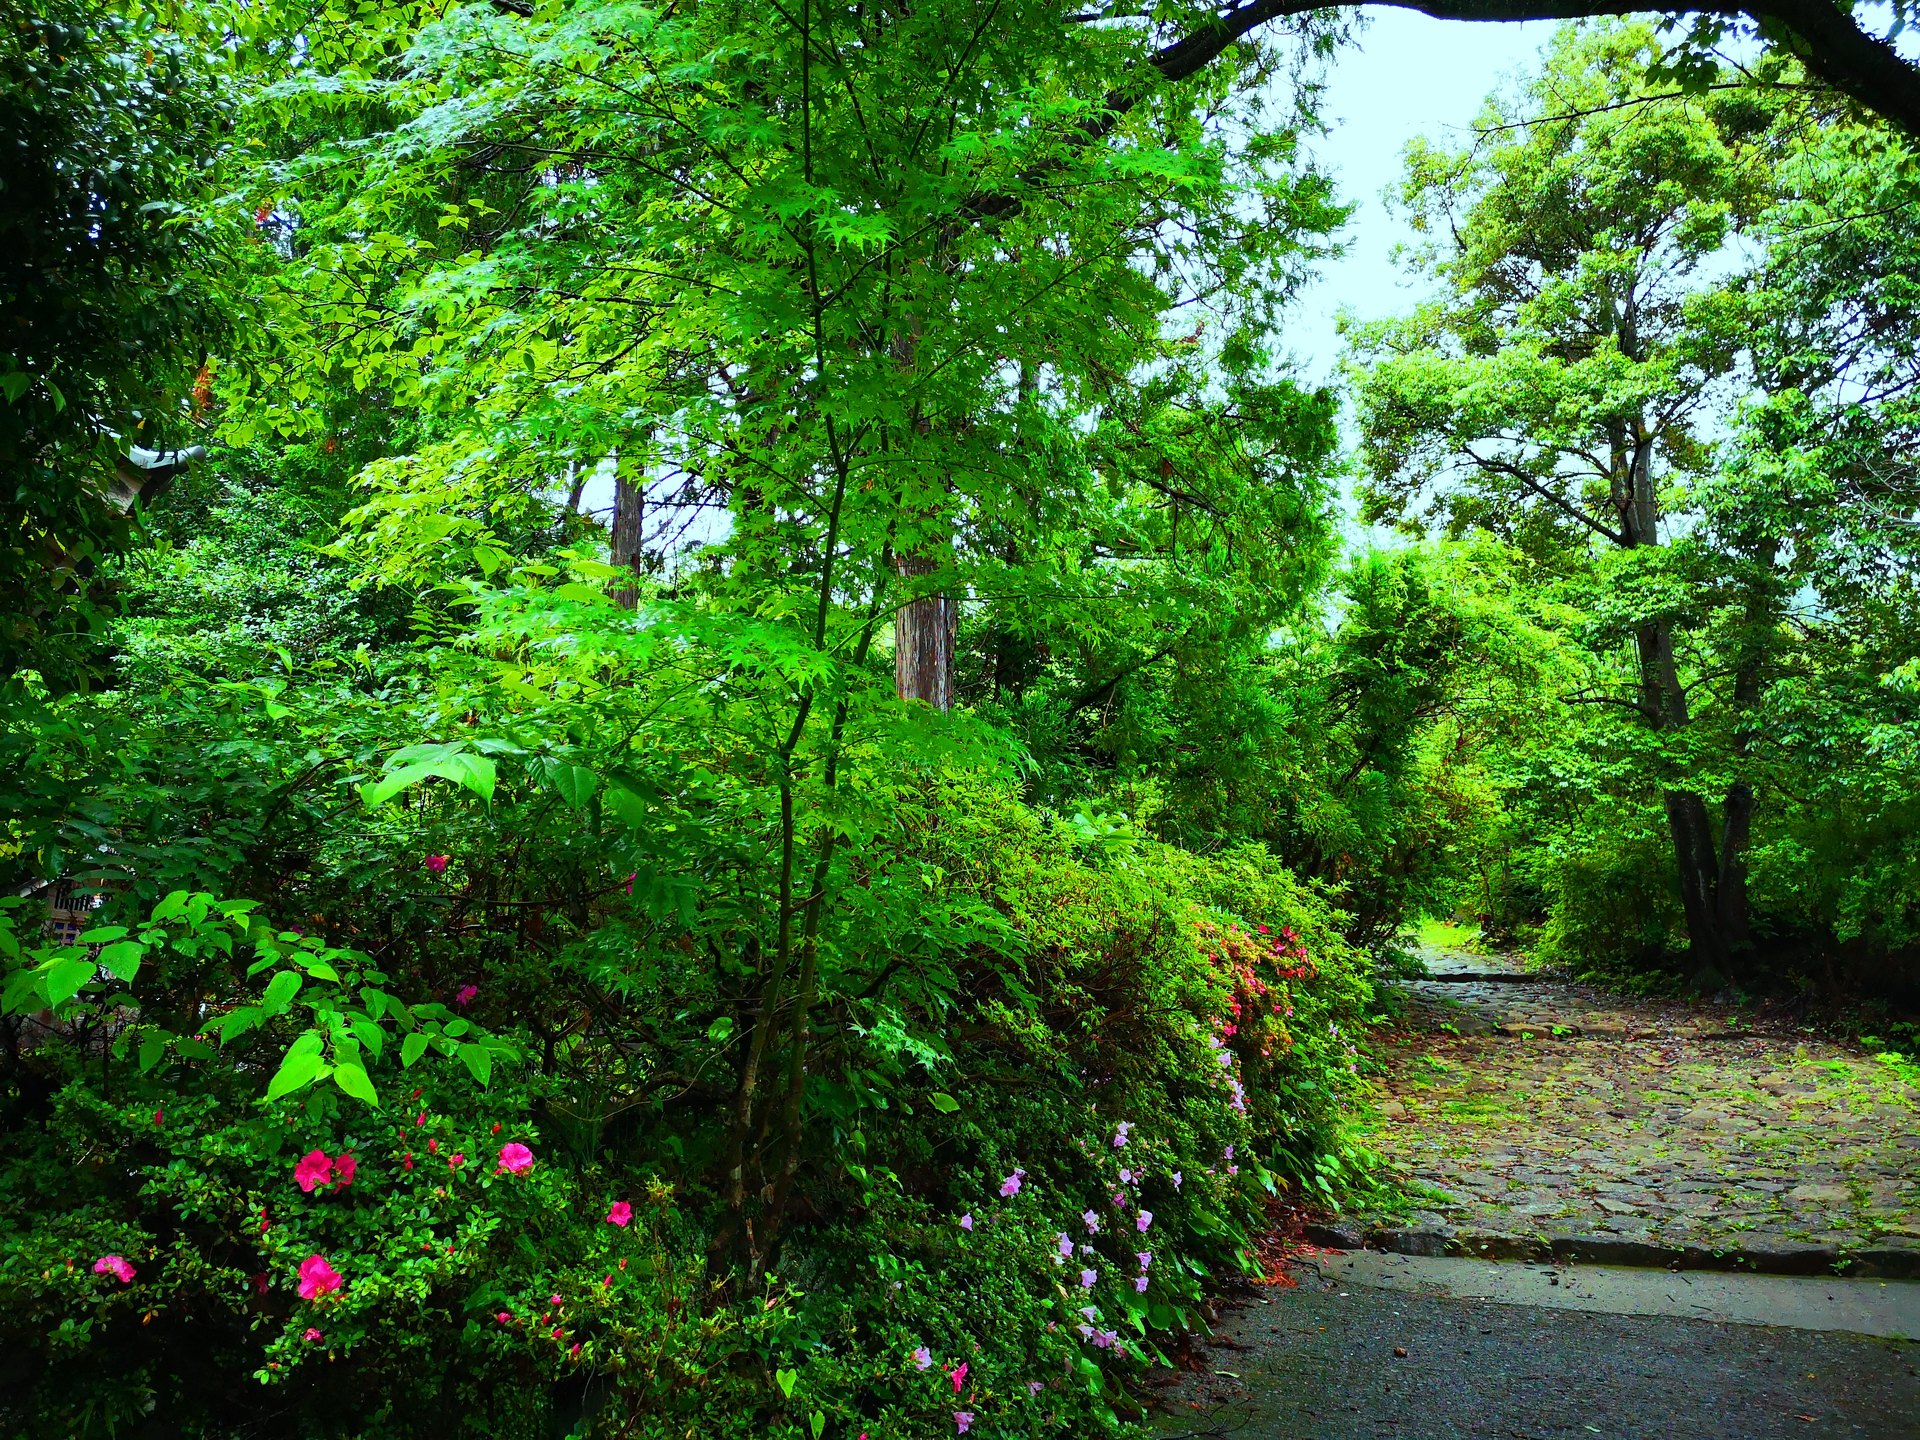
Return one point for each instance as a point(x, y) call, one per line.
point(352, 1078)
point(369, 1035)
point(478, 1061)
point(413, 1047)
point(574, 784)
point(297, 1071)
point(786, 1380)
point(280, 991)
point(152, 1046)
point(122, 959)
point(65, 977)
point(943, 1102)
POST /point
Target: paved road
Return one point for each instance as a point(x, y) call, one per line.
point(1321, 1364)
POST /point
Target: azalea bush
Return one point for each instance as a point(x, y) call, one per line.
point(1024, 1171)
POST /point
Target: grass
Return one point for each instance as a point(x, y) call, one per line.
point(1445, 935)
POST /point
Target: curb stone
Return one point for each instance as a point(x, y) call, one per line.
point(1753, 1254)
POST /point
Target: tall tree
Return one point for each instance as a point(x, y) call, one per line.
point(107, 120)
point(1557, 391)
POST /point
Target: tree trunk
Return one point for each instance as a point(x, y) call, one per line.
point(629, 517)
point(923, 633)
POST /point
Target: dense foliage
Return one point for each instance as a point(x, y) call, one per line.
point(1670, 365)
point(749, 793)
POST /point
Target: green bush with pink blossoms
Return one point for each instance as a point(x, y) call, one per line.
point(1024, 1174)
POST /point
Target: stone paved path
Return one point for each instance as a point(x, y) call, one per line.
point(1527, 1114)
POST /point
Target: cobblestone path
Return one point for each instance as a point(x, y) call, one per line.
point(1528, 1115)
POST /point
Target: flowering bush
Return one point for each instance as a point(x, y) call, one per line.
point(1030, 1156)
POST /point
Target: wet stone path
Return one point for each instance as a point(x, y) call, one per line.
point(1527, 1116)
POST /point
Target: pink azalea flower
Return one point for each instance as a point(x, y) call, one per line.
point(1145, 1257)
point(621, 1214)
point(1120, 1135)
point(963, 1421)
point(313, 1170)
point(1119, 1198)
point(1126, 1176)
point(343, 1168)
point(317, 1278)
point(959, 1376)
point(1093, 1221)
point(437, 864)
point(504, 1318)
point(464, 996)
point(1144, 1219)
point(456, 1160)
point(1177, 1179)
point(1066, 1244)
point(1140, 1283)
point(922, 1357)
point(1034, 1387)
point(1010, 1186)
point(966, 1223)
point(1087, 1277)
point(115, 1266)
point(515, 1157)
point(554, 1300)
point(260, 1282)
point(312, 1334)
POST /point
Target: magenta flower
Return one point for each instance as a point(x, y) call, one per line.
point(436, 864)
point(313, 1170)
point(115, 1266)
point(1087, 1277)
point(1010, 1186)
point(966, 1223)
point(312, 1334)
point(959, 1376)
point(456, 1160)
point(963, 1421)
point(1143, 1220)
point(504, 1318)
point(1145, 1257)
point(515, 1157)
point(620, 1214)
point(922, 1357)
point(1126, 1176)
point(317, 1278)
point(343, 1168)
point(464, 996)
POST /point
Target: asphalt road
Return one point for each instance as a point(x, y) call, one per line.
point(1321, 1364)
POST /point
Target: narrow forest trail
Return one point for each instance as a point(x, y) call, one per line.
point(1529, 1116)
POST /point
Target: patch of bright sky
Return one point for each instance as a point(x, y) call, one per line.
point(1402, 76)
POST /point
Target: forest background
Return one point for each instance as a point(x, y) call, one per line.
point(851, 940)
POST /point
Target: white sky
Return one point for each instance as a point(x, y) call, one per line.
point(1404, 75)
